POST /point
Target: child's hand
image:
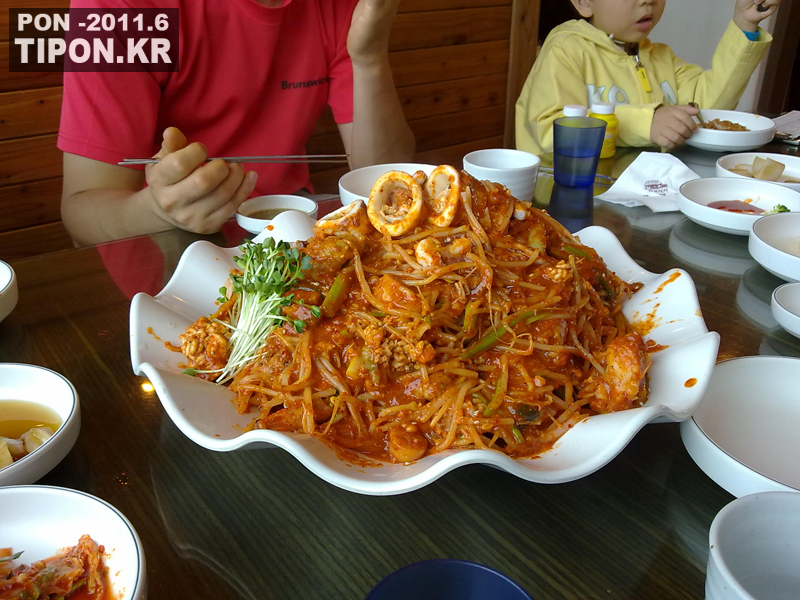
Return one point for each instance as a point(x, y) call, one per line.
point(747, 16)
point(673, 125)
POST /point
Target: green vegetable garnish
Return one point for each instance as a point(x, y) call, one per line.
point(490, 339)
point(269, 271)
point(577, 251)
point(778, 208)
point(12, 557)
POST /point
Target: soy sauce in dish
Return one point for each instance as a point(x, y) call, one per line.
point(19, 416)
point(267, 214)
point(736, 206)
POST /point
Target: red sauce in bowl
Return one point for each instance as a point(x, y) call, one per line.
point(736, 206)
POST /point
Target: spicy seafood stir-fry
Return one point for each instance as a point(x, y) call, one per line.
point(443, 314)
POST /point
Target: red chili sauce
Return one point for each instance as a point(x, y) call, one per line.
point(736, 206)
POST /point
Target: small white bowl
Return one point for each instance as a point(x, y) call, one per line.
point(357, 184)
point(515, 169)
point(775, 244)
point(786, 307)
point(695, 196)
point(762, 130)
point(8, 290)
point(43, 386)
point(43, 520)
point(744, 433)
point(729, 161)
point(754, 549)
point(246, 215)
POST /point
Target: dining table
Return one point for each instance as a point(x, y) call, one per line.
point(257, 524)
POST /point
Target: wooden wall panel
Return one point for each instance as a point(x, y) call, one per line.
point(450, 28)
point(29, 159)
point(412, 6)
point(29, 112)
point(413, 67)
point(32, 241)
point(29, 204)
point(10, 82)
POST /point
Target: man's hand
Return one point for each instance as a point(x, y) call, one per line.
point(673, 125)
point(746, 15)
point(368, 39)
point(190, 193)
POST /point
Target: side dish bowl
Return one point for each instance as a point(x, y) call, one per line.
point(762, 130)
point(775, 244)
point(357, 184)
point(786, 307)
point(8, 290)
point(202, 410)
point(43, 386)
point(249, 216)
point(696, 195)
point(42, 520)
point(730, 161)
point(744, 445)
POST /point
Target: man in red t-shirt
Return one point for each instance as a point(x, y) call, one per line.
point(254, 77)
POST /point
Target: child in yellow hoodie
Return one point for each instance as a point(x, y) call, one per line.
point(608, 58)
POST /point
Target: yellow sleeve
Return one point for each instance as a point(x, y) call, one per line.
point(634, 124)
point(734, 61)
point(554, 81)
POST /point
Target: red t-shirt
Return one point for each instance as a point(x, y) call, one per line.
point(252, 81)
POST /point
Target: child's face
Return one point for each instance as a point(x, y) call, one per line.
point(627, 20)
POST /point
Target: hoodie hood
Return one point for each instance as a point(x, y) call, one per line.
point(587, 31)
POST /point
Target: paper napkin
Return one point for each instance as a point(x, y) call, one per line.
point(652, 180)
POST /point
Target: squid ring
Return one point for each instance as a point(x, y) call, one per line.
point(395, 203)
point(443, 189)
point(348, 218)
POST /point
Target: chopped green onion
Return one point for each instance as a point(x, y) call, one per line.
point(490, 339)
point(577, 251)
point(336, 295)
point(518, 437)
point(14, 556)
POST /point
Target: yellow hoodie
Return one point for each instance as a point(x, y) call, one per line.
point(580, 64)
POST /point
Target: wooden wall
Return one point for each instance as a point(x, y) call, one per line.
point(455, 64)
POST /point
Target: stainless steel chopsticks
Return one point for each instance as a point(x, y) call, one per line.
point(289, 158)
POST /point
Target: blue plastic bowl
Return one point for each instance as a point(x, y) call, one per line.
point(447, 579)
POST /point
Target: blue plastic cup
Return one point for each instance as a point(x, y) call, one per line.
point(577, 142)
point(447, 579)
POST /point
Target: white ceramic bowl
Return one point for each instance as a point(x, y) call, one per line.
point(247, 221)
point(43, 520)
point(202, 410)
point(43, 386)
point(762, 130)
point(357, 184)
point(775, 244)
point(754, 549)
point(8, 290)
point(744, 433)
point(792, 171)
point(515, 169)
point(786, 307)
point(695, 196)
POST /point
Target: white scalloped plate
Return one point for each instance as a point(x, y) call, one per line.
point(678, 378)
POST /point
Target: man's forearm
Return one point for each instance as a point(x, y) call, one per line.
point(380, 133)
point(96, 216)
